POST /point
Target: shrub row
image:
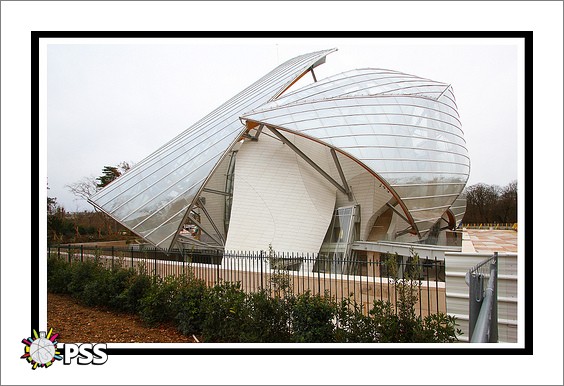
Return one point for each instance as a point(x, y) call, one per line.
point(225, 313)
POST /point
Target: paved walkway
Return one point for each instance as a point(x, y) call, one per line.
point(489, 241)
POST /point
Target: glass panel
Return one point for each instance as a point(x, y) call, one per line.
point(407, 139)
point(229, 185)
point(335, 254)
point(153, 194)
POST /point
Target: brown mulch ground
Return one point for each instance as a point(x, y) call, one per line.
point(79, 324)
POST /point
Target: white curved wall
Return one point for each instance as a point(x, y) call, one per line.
point(279, 199)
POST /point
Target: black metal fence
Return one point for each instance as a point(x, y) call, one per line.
point(360, 278)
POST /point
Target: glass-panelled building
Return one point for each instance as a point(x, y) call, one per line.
point(367, 155)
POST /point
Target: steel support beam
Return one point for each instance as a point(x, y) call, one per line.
point(197, 223)
point(398, 213)
point(255, 137)
point(313, 74)
point(213, 191)
point(405, 231)
point(259, 130)
point(203, 208)
point(308, 160)
point(341, 174)
point(186, 240)
point(445, 90)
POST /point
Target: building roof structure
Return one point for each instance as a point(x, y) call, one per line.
point(154, 198)
point(403, 130)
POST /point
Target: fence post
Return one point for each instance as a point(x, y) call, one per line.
point(319, 281)
point(493, 326)
point(112, 257)
point(81, 253)
point(437, 270)
point(217, 274)
point(155, 262)
point(475, 294)
point(261, 274)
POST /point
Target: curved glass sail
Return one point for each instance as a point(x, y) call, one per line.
point(458, 208)
point(404, 129)
point(152, 199)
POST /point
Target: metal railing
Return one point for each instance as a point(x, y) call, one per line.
point(363, 280)
point(483, 301)
point(488, 226)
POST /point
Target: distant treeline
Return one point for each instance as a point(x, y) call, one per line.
point(79, 227)
point(491, 204)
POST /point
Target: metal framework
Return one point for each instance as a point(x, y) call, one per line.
point(214, 191)
point(344, 189)
point(202, 206)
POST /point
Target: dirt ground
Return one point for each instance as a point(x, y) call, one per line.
point(76, 323)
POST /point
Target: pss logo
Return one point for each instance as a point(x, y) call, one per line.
point(85, 353)
point(42, 350)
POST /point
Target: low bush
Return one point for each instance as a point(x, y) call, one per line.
point(136, 289)
point(269, 318)
point(189, 306)
point(225, 313)
point(81, 275)
point(157, 305)
point(439, 328)
point(352, 325)
point(58, 273)
point(386, 322)
point(93, 292)
point(107, 286)
point(312, 319)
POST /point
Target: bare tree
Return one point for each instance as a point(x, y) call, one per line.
point(84, 188)
point(507, 207)
point(490, 203)
point(480, 199)
point(88, 186)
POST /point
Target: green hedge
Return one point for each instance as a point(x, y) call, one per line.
point(225, 313)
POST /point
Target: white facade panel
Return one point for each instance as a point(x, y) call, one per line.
point(278, 200)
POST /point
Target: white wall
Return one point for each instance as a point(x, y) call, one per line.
point(279, 199)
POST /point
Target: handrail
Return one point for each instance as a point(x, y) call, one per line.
point(483, 302)
point(482, 327)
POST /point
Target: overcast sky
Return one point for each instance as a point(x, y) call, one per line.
point(110, 101)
